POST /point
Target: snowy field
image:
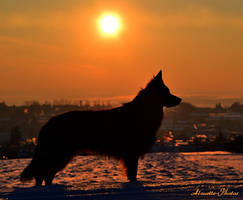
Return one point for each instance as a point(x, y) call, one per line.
point(208, 175)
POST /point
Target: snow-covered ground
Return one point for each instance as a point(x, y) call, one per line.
point(160, 175)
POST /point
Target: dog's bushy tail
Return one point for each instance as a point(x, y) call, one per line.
point(28, 173)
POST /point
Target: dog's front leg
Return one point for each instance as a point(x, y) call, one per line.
point(130, 164)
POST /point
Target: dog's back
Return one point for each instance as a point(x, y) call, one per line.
point(113, 132)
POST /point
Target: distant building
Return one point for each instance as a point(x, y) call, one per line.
point(4, 137)
point(227, 115)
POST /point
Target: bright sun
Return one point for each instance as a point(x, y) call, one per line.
point(110, 24)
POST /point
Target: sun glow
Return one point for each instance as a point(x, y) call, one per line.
point(110, 24)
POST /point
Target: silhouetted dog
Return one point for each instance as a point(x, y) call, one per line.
point(125, 133)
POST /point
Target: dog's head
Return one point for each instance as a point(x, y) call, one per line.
point(161, 92)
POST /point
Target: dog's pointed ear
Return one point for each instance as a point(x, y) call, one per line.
point(159, 75)
point(156, 79)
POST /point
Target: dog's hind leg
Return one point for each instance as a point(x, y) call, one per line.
point(49, 178)
point(57, 164)
point(131, 167)
point(38, 180)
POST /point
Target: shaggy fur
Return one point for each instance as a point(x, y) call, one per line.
point(125, 133)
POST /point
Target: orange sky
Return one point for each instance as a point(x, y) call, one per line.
point(53, 49)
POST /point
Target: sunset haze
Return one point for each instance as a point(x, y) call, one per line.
point(54, 49)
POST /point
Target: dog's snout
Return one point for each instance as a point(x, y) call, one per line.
point(175, 100)
point(178, 100)
point(172, 101)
